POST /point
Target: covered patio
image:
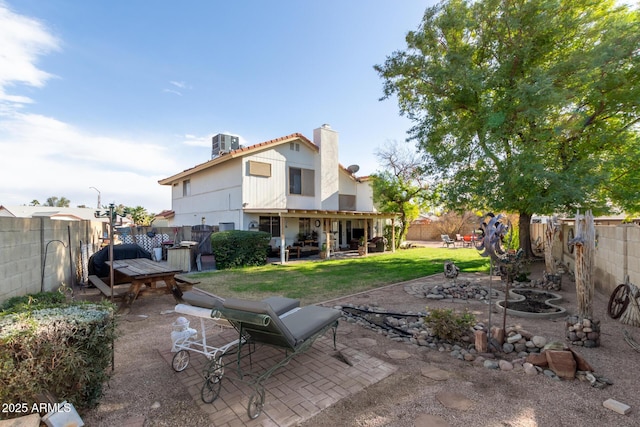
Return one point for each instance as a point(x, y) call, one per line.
point(326, 231)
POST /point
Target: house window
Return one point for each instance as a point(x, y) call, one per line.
point(302, 181)
point(259, 168)
point(270, 224)
point(304, 227)
point(186, 188)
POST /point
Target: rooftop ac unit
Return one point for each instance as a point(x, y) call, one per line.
point(222, 144)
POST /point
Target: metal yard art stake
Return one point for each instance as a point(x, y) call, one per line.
point(496, 231)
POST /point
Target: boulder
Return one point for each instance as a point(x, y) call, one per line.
point(562, 363)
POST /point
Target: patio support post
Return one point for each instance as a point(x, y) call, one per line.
point(393, 234)
point(282, 239)
point(326, 223)
point(366, 236)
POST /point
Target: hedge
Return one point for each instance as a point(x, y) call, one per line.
point(238, 248)
point(64, 350)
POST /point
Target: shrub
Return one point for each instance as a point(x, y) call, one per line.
point(32, 302)
point(239, 248)
point(449, 325)
point(65, 350)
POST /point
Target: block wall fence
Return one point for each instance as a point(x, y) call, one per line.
point(41, 254)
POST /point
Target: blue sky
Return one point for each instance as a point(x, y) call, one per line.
point(119, 94)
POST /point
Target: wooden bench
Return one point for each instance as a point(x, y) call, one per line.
point(186, 281)
point(98, 283)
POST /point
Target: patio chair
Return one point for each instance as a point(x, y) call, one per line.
point(460, 239)
point(257, 322)
point(448, 241)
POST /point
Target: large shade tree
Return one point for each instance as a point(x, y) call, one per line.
point(525, 106)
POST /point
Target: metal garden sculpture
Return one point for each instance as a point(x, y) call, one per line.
point(497, 235)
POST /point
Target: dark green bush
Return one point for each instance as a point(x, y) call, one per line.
point(239, 248)
point(65, 350)
point(449, 325)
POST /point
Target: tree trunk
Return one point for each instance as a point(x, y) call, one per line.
point(524, 232)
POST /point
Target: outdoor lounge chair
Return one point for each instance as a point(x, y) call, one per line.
point(446, 240)
point(264, 322)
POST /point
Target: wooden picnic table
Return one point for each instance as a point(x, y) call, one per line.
point(145, 273)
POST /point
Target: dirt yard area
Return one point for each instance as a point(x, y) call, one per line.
point(429, 388)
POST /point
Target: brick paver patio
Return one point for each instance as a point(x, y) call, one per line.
point(310, 382)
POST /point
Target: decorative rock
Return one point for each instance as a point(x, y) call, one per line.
point(491, 364)
point(514, 338)
point(505, 365)
point(581, 363)
point(562, 363)
point(539, 341)
point(539, 359)
point(554, 345)
point(529, 369)
point(507, 347)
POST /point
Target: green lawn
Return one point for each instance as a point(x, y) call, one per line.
point(316, 281)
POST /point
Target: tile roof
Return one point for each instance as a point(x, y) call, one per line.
point(239, 152)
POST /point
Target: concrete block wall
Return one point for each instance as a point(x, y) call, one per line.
point(617, 255)
point(633, 254)
point(35, 253)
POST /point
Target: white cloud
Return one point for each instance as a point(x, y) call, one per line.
point(44, 157)
point(23, 40)
point(181, 85)
point(175, 92)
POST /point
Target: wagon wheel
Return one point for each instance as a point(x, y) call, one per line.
point(619, 301)
point(213, 381)
point(180, 360)
point(256, 402)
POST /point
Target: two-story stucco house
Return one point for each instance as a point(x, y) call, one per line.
point(291, 187)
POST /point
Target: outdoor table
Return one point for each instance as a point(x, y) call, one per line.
point(145, 272)
point(469, 240)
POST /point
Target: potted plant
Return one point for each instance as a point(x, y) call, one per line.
point(323, 250)
point(362, 248)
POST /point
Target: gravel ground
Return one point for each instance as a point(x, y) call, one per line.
point(430, 388)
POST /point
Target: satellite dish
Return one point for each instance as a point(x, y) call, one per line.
point(353, 168)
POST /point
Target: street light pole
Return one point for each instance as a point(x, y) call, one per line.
point(98, 207)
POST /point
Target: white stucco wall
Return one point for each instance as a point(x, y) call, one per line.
point(216, 196)
point(364, 197)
